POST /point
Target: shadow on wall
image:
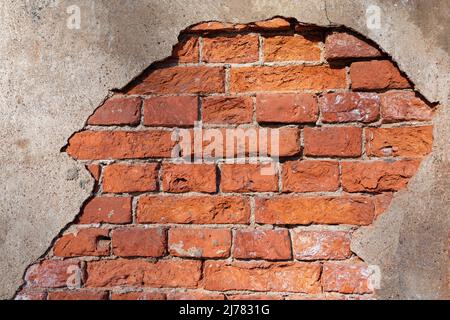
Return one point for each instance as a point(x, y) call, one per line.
point(351, 130)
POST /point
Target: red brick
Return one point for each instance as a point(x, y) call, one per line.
point(404, 106)
point(266, 25)
point(247, 178)
point(286, 78)
point(189, 177)
point(194, 295)
point(82, 295)
point(95, 170)
point(179, 111)
point(382, 202)
point(333, 142)
point(122, 178)
point(321, 245)
point(314, 210)
point(187, 50)
point(291, 48)
point(377, 176)
point(376, 75)
point(200, 242)
point(399, 142)
point(142, 273)
point(107, 210)
point(349, 278)
point(262, 276)
point(235, 49)
point(271, 24)
point(347, 46)
point(104, 145)
point(227, 110)
point(181, 79)
point(286, 108)
point(147, 296)
point(51, 273)
point(139, 242)
point(198, 209)
point(262, 244)
point(83, 242)
point(255, 297)
point(310, 176)
point(117, 111)
point(350, 107)
point(32, 295)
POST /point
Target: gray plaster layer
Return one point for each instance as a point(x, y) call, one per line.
point(52, 78)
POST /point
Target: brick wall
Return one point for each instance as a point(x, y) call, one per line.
point(352, 133)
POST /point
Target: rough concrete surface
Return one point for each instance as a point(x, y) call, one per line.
point(53, 77)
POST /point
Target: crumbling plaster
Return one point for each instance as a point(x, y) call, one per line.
point(53, 77)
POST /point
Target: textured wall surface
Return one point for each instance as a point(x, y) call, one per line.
point(54, 77)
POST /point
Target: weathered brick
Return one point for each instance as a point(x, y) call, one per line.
point(139, 242)
point(333, 142)
point(321, 245)
point(117, 111)
point(286, 78)
point(200, 242)
point(399, 142)
point(95, 170)
point(115, 210)
point(30, 295)
point(262, 276)
point(247, 178)
point(310, 176)
point(291, 48)
point(262, 244)
point(254, 297)
point(266, 25)
point(189, 177)
point(286, 108)
point(314, 210)
point(376, 75)
point(179, 111)
point(82, 295)
point(122, 178)
point(198, 209)
point(227, 110)
point(51, 273)
point(182, 79)
point(382, 202)
point(234, 49)
point(130, 296)
point(344, 277)
point(104, 145)
point(350, 107)
point(83, 242)
point(377, 176)
point(404, 106)
point(340, 45)
point(194, 295)
point(187, 50)
point(142, 273)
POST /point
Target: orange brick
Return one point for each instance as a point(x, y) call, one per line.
point(286, 78)
point(376, 75)
point(124, 178)
point(80, 295)
point(310, 176)
point(404, 106)
point(107, 210)
point(350, 107)
point(179, 111)
point(291, 48)
point(117, 111)
point(104, 145)
point(349, 278)
point(321, 245)
point(227, 110)
point(286, 108)
point(262, 244)
point(234, 49)
point(314, 210)
point(139, 242)
point(198, 209)
point(182, 79)
point(200, 242)
point(187, 50)
point(83, 242)
point(247, 178)
point(333, 142)
point(377, 176)
point(262, 276)
point(189, 177)
point(399, 142)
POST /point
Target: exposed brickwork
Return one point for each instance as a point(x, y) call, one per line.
point(352, 133)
